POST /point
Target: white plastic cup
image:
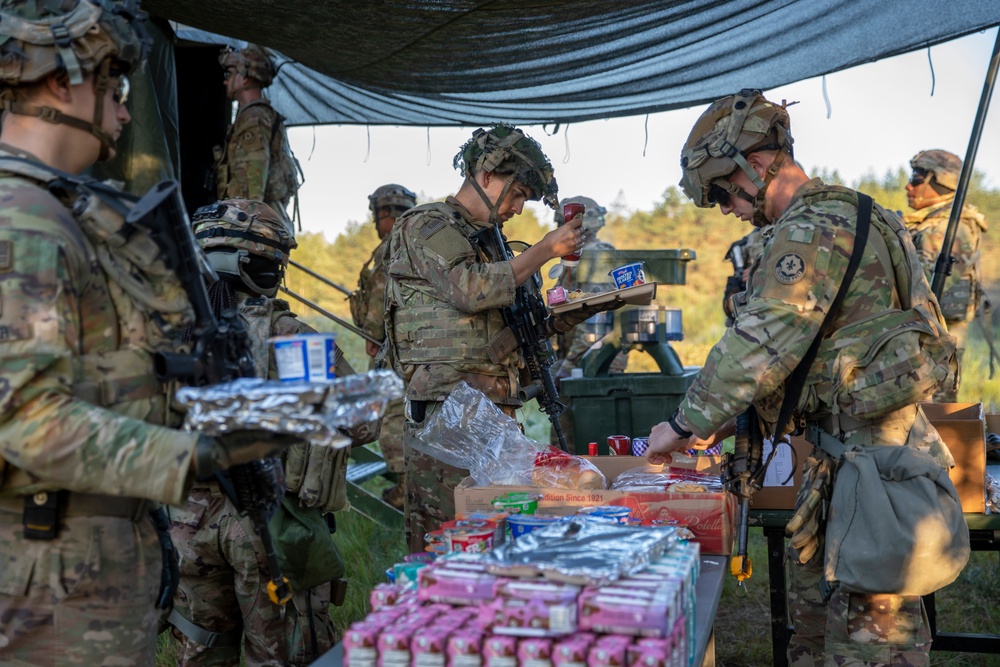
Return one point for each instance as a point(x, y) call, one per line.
point(306, 357)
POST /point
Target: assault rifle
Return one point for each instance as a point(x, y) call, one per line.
point(221, 353)
point(742, 473)
point(527, 317)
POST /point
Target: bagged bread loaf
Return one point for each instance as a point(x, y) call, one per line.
point(557, 469)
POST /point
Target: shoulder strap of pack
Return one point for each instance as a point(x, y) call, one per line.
point(797, 380)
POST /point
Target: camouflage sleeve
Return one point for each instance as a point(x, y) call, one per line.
point(441, 261)
point(44, 430)
point(250, 153)
point(374, 322)
point(798, 276)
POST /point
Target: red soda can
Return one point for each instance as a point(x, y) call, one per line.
point(570, 211)
point(619, 445)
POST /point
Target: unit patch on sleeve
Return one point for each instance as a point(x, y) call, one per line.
point(789, 269)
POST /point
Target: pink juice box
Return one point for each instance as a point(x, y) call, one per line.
point(361, 643)
point(465, 648)
point(499, 651)
point(535, 652)
point(428, 647)
point(608, 654)
point(455, 585)
point(532, 609)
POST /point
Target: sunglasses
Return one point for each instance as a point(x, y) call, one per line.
point(121, 91)
point(919, 176)
point(718, 195)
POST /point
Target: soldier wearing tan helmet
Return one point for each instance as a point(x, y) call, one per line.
point(572, 345)
point(222, 600)
point(91, 446)
point(739, 157)
point(367, 308)
point(930, 192)
point(256, 162)
point(443, 300)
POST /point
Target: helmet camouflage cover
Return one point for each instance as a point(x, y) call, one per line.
point(41, 36)
point(946, 167)
point(505, 149)
point(593, 213)
point(391, 196)
point(244, 224)
point(724, 135)
point(251, 61)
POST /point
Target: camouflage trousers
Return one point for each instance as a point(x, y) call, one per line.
point(224, 578)
point(85, 598)
point(852, 630)
point(390, 438)
point(430, 487)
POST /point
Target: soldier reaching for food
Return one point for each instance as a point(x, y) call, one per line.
point(739, 157)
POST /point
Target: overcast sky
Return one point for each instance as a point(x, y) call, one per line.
point(880, 115)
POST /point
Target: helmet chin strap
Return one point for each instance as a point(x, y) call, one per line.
point(494, 208)
point(102, 79)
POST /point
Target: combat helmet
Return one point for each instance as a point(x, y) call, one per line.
point(946, 167)
point(593, 213)
point(246, 239)
point(728, 131)
point(391, 196)
point(505, 149)
point(78, 37)
point(251, 61)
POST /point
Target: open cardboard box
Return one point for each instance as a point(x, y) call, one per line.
point(961, 425)
point(710, 516)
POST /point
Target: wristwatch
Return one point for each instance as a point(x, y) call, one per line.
point(678, 429)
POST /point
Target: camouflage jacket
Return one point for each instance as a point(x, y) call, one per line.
point(442, 307)
point(256, 162)
point(962, 289)
point(80, 406)
point(791, 289)
point(368, 302)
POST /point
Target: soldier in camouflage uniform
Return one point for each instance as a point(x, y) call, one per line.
point(367, 308)
point(256, 162)
point(572, 345)
point(90, 443)
point(443, 300)
point(750, 248)
point(738, 155)
point(223, 595)
point(931, 193)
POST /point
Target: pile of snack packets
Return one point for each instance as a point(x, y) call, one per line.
point(579, 590)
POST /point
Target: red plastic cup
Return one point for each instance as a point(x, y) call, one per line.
point(619, 445)
point(570, 211)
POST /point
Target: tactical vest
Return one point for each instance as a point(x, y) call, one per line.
point(367, 302)
point(283, 171)
point(426, 330)
point(962, 289)
point(130, 307)
point(887, 360)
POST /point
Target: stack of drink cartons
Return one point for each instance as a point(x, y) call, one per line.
point(462, 615)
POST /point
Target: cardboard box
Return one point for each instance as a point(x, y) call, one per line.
point(962, 426)
point(710, 516)
point(783, 476)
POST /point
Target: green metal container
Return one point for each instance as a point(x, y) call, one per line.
point(628, 404)
point(667, 267)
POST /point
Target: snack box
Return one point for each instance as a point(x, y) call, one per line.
point(710, 516)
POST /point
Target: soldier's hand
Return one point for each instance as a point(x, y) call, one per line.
point(567, 238)
point(218, 453)
point(664, 440)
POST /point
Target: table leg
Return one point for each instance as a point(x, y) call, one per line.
point(780, 632)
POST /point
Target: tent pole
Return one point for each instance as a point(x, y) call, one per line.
point(943, 265)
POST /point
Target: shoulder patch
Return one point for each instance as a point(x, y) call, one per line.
point(790, 268)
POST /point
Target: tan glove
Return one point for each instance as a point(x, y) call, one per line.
point(807, 526)
point(558, 324)
point(218, 453)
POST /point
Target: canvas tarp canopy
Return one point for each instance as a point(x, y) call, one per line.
point(470, 62)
